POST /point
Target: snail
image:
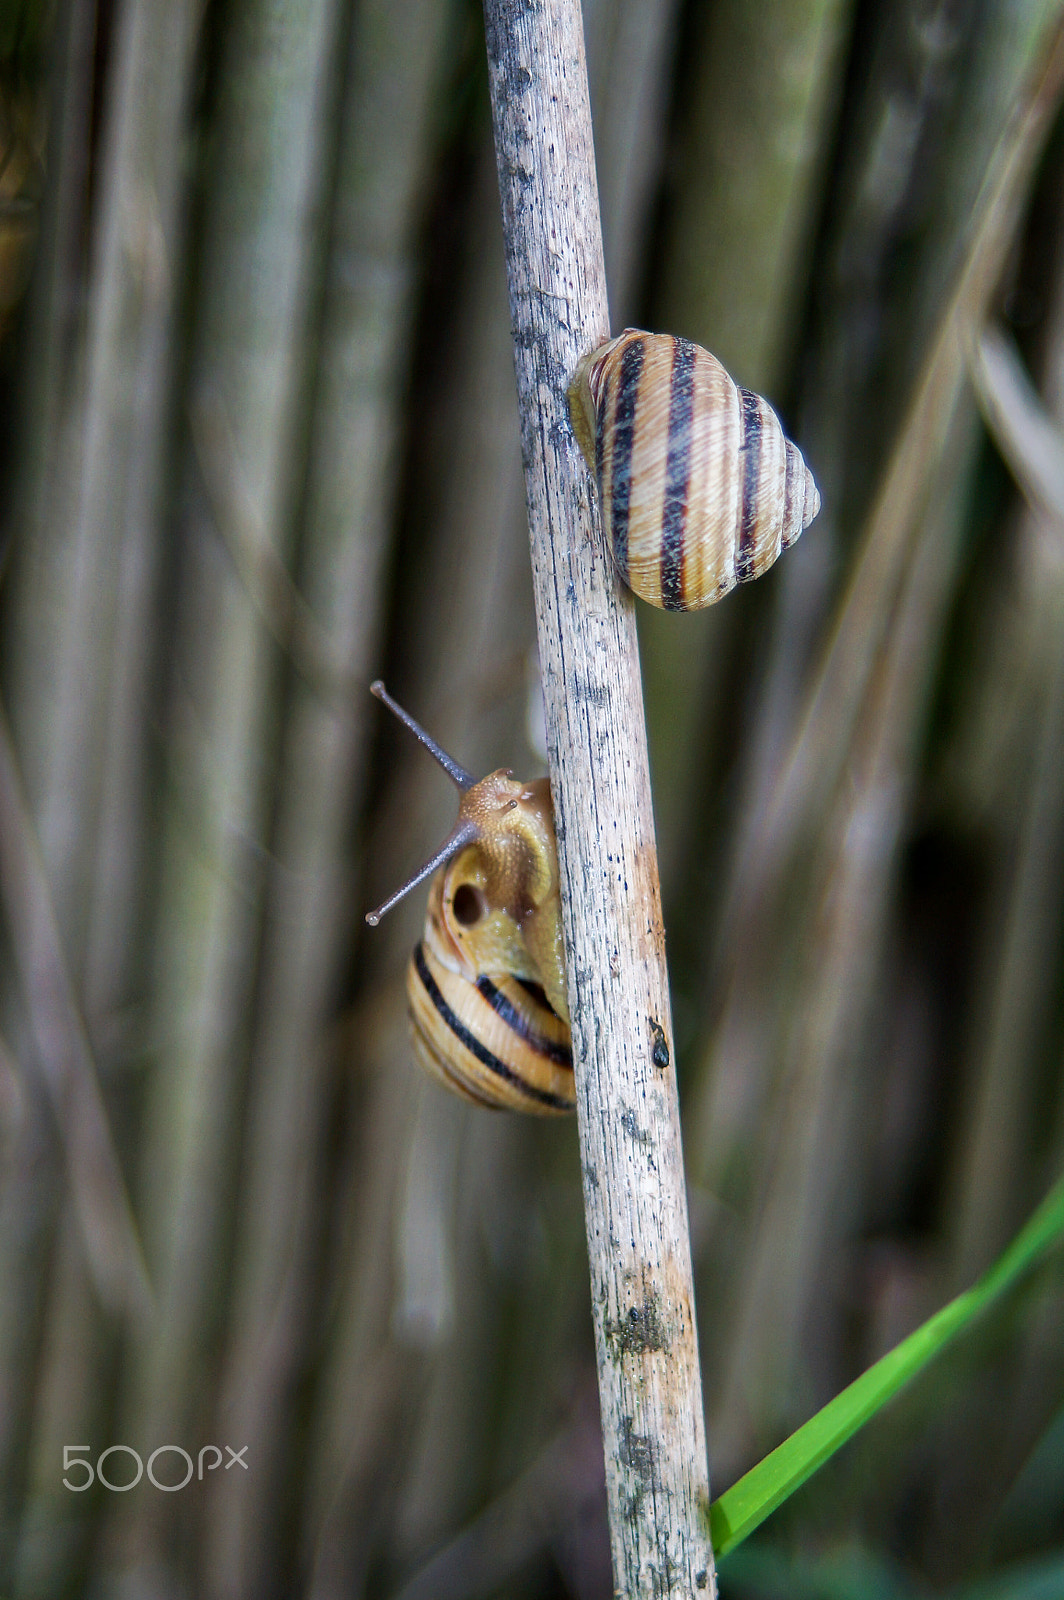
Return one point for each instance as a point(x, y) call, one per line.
point(699, 491)
point(486, 983)
point(698, 487)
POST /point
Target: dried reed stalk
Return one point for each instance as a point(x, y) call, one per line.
point(634, 1195)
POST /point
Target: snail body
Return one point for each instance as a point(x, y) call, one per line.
point(486, 982)
point(699, 488)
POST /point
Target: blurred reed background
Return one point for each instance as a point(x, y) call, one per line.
point(259, 445)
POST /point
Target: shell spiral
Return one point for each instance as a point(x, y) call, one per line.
point(698, 486)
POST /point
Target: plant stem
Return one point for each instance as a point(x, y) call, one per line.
point(634, 1195)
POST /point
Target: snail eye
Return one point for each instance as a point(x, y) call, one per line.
point(468, 905)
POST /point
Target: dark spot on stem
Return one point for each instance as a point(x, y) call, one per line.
point(640, 1330)
point(637, 1453)
point(659, 1050)
point(632, 1128)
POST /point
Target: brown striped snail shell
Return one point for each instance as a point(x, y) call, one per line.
point(698, 487)
point(486, 983)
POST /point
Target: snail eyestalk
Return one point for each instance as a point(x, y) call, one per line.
point(458, 774)
point(464, 834)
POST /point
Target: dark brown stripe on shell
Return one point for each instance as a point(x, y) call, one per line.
point(623, 435)
point(523, 1025)
point(677, 474)
point(485, 1056)
point(750, 458)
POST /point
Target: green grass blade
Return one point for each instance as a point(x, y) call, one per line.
point(747, 1503)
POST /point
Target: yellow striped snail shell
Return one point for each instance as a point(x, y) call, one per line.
point(486, 983)
point(698, 487)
